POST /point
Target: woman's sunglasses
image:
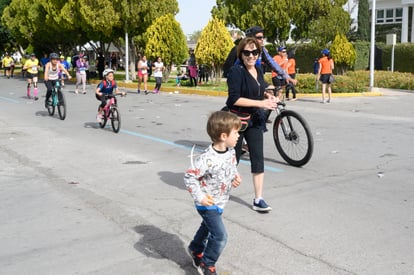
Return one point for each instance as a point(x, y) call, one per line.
point(247, 53)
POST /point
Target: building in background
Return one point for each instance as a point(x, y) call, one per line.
point(392, 16)
point(397, 13)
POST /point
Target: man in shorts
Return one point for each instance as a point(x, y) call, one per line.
point(31, 66)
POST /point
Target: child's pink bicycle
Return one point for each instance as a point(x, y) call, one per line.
point(111, 112)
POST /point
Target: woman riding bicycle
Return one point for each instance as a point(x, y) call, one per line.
point(52, 70)
point(104, 88)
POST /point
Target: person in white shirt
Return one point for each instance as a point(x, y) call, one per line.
point(158, 70)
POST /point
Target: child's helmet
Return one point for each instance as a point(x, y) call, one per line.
point(54, 56)
point(107, 71)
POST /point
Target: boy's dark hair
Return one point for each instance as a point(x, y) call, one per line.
point(222, 122)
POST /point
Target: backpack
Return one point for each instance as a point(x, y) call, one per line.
point(73, 61)
point(105, 84)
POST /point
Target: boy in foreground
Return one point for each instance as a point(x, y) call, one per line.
point(209, 181)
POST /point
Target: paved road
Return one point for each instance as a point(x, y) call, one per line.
point(77, 199)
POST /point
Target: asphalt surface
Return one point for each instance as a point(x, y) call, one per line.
point(78, 199)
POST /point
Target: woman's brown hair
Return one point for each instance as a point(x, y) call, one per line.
point(247, 41)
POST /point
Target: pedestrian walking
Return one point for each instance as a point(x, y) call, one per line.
point(209, 181)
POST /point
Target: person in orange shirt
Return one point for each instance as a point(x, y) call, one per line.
point(291, 70)
point(282, 60)
point(326, 65)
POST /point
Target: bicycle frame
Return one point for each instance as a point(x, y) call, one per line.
point(111, 102)
point(57, 99)
point(110, 112)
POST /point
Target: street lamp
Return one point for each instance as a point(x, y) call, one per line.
point(372, 61)
point(126, 57)
point(126, 45)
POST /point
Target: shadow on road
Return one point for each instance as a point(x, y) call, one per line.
point(158, 244)
point(93, 125)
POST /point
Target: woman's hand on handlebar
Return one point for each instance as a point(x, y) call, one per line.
point(270, 102)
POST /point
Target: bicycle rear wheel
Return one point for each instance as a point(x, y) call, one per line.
point(115, 119)
point(61, 106)
point(293, 138)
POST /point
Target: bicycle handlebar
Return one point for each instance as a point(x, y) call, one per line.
point(113, 95)
point(281, 103)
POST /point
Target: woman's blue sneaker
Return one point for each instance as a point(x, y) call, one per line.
point(261, 206)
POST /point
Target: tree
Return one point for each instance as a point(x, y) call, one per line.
point(56, 24)
point(343, 53)
point(142, 13)
point(363, 20)
point(159, 41)
point(6, 39)
point(195, 36)
point(323, 30)
point(276, 16)
point(272, 15)
point(214, 45)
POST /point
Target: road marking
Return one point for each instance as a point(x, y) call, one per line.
point(8, 99)
point(167, 142)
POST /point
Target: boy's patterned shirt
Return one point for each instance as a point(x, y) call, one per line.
point(212, 174)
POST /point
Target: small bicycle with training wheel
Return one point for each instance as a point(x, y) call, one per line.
point(111, 112)
point(291, 134)
point(57, 99)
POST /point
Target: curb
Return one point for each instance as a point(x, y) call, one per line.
point(198, 91)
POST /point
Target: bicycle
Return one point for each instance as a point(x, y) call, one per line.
point(57, 99)
point(111, 112)
point(291, 134)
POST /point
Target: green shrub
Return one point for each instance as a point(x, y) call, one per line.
point(355, 82)
point(403, 56)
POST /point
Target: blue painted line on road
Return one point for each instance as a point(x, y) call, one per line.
point(167, 142)
point(8, 99)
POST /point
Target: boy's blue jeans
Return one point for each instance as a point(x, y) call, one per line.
point(211, 237)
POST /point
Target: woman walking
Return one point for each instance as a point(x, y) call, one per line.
point(82, 66)
point(326, 65)
point(158, 70)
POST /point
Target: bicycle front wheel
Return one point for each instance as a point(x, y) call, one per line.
point(50, 106)
point(293, 138)
point(102, 123)
point(115, 119)
point(61, 106)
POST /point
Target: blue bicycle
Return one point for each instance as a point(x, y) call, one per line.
point(57, 99)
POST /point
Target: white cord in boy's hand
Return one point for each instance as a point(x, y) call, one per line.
point(236, 181)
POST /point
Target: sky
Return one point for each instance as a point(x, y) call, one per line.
point(194, 14)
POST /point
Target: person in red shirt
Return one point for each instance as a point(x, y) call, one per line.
point(282, 60)
point(291, 70)
point(326, 65)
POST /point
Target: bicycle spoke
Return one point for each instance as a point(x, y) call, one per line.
point(293, 138)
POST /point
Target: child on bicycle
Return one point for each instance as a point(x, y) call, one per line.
point(106, 87)
point(209, 182)
point(52, 69)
